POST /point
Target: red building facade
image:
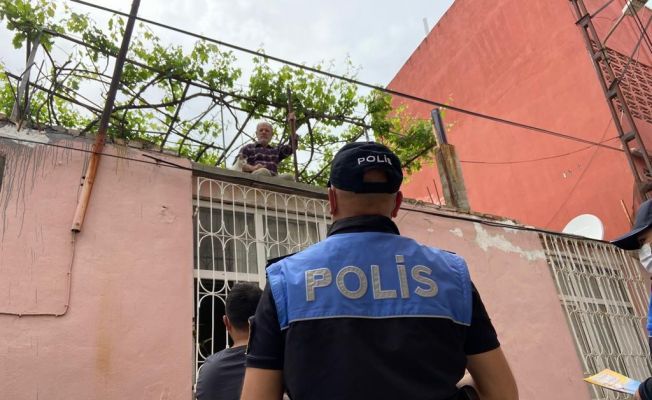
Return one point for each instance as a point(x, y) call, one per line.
point(528, 62)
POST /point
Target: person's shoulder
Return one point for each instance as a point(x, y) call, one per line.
point(444, 253)
point(298, 257)
point(215, 357)
point(427, 247)
point(211, 364)
point(275, 260)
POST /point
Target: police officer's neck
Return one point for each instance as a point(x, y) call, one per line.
point(353, 215)
point(346, 204)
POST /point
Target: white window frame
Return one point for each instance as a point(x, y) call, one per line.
point(261, 254)
point(224, 199)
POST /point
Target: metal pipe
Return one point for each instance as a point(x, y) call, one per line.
point(91, 171)
point(292, 119)
point(20, 111)
point(439, 126)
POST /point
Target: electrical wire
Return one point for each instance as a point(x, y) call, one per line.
point(579, 178)
point(158, 163)
point(497, 224)
point(642, 28)
point(351, 80)
point(534, 159)
point(591, 144)
point(167, 164)
point(599, 10)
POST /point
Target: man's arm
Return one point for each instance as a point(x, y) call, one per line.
point(262, 384)
point(250, 168)
point(264, 360)
point(492, 375)
point(285, 150)
point(245, 152)
point(485, 359)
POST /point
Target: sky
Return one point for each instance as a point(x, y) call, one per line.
point(376, 35)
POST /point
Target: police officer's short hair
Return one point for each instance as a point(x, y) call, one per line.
point(241, 303)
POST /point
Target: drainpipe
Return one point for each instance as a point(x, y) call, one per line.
point(91, 171)
point(449, 167)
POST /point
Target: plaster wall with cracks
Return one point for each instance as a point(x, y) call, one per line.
point(25, 165)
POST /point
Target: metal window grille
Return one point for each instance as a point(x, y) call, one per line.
point(605, 300)
point(237, 228)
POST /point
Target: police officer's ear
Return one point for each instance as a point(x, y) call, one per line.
point(332, 200)
point(397, 204)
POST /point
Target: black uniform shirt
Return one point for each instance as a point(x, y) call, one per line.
point(353, 358)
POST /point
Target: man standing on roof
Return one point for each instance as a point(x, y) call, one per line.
point(640, 238)
point(261, 158)
point(367, 313)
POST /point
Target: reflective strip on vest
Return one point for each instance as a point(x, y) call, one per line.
point(370, 275)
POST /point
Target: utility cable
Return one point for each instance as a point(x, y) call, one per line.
point(233, 94)
point(641, 27)
point(167, 164)
point(579, 178)
point(599, 10)
point(353, 81)
point(534, 159)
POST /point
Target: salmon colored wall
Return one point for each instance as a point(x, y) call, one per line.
point(128, 331)
point(524, 61)
point(511, 273)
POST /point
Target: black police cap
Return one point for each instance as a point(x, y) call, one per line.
point(354, 159)
point(629, 241)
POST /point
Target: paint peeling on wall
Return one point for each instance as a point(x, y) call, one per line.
point(25, 163)
point(486, 240)
point(457, 232)
point(26, 137)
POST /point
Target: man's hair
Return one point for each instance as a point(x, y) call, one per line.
point(265, 123)
point(241, 303)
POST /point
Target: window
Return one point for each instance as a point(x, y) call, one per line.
point(227, 241)
point(236, 229)
point(287, 235)
point(605, 302)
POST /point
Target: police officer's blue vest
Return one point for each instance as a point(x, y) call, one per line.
point(649, 319)
point(370, 275)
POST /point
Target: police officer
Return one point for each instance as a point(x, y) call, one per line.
point(367, 313)
point(640, 238)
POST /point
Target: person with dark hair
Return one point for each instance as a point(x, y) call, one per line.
point(220, 378)
point(368, 313)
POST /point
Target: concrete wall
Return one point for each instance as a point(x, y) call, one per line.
point(524, 61)
point(127, 333)
point(511, 273)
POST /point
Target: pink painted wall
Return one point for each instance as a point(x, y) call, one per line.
point(524, 61)
point(510, 271)
point(128, 331)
